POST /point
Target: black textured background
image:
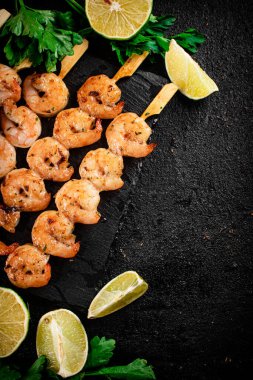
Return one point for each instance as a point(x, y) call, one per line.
point(187, 227)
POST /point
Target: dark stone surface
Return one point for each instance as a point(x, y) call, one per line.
point(75, 282)
point(187, 226)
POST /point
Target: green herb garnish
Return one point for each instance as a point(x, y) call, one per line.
point(7, 373)
point(137, 370)
point(100, 353)
point(42, 36)
point(152, 38)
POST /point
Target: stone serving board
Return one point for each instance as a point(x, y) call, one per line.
point(74, 281)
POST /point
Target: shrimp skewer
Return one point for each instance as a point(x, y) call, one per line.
point(7, 156)
point(52, 233)
point(28, 267)
point(78, 201)
point(99, 96)
point(103, 169)
point(128, 133)
point(49, 159)
point(24, 190)
point(20, 125)
point(74, 128)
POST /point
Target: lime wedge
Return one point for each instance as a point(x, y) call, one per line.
point(184, 72)
point(61, 337)
point(119, 292)
point(14, 321)
point(120, 19)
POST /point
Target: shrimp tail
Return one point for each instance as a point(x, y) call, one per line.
point(92, 217)
point(143, 151)
point(151, 147)
point(16, 91)
point(76, 248)
point(119, 106)
point(112, 111)
point(7, 250)
point(99, 127)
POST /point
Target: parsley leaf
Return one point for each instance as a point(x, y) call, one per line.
point(101, 351)
point(152, 38)
point(7, 373)
point(190, 39)
point(35, 372)
point(39, 35)
point(137, 370)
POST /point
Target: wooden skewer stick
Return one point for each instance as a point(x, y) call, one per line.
point(66, 64)
point(160, 101)
point(130, 66)
point(4, 15)
point(25, 64)
point(70, 60)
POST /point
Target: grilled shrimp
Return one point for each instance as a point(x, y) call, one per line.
point(127, 135)
point(9, 84)
point(20, 125)
point(7, 249)
point(99, 95)
point(103, 168)
point(49, 159)
point(78, 200)
point(74, 128)
point(27, 267)
point(9, 218)
point(46, 94)
point(7, 156)
point(25, 190)
point(52, 233)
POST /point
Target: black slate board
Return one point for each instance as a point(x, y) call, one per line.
point(74, 281)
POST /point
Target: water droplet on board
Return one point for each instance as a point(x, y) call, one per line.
point(154, 122)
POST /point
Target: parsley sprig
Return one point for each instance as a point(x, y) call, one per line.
point(42, 36)
point(100, 353)
point(152, 38)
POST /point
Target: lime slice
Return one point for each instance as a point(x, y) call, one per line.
point(61, 337)
point(14, 321)
point(184, 72)
point(120, 19)
point(119, 292)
